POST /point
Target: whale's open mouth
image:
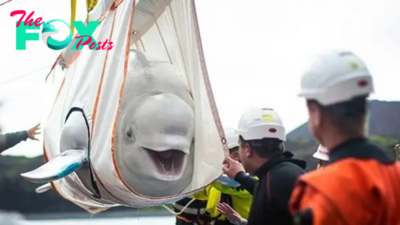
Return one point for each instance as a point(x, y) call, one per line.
point(169, 163)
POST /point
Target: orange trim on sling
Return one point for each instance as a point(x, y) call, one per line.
point(101, 18)
point(96, 104)
point(126, 61)
point(212, 101)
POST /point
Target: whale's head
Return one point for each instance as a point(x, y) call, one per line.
point(161, 130)
point(155, 130)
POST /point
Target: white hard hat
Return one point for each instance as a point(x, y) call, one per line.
point(231, 138)
point(259, 123)
point(321, 153)
point(334, 77)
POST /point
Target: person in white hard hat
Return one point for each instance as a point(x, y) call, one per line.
point(222, 198)
point(360, 184)
point(322, 155)
point(232, 142)
point(396, 152)
point(262, 153)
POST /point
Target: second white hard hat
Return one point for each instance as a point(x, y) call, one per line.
point(321, 153)
point(260, 122)
point(231, 138)
point(334, 77)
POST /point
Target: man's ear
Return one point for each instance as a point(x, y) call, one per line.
point(315, 114)
point(248, 150)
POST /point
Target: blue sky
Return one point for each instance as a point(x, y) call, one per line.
point(255, 52)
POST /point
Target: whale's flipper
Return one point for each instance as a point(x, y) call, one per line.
point(62, 165)
point(43, 188)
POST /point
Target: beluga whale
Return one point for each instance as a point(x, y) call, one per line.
point(155, 134)
point(153, 140)
point(137, 125)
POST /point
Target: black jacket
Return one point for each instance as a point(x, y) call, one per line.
point(9, 140)
point(272, 192)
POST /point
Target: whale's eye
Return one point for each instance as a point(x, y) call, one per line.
point(129, 134)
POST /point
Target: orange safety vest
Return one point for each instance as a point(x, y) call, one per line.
point(351, 192)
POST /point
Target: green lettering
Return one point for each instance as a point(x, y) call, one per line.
point(88, 30)
point(22, 36)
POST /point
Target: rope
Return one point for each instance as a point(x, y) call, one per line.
point(24, 75)
point(180, 212)
point(53, 66)
point(3, 3)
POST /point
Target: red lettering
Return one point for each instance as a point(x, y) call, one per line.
point(92, 46)
point(111, 45)
point(38, 22)
point(84, 43)
point(18, 12)
point(28, 20)
point(105, 44)
point(98, 47)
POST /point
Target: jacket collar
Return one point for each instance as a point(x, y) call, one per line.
point(359, 148)
point(282, 157)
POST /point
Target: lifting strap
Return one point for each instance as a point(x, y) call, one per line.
point(73, 15)
point(90, 4)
